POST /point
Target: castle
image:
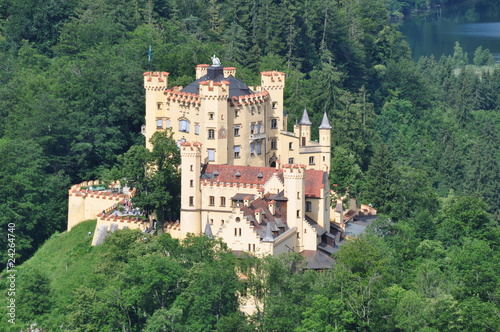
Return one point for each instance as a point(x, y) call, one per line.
point(245, 179)
point(237, 124)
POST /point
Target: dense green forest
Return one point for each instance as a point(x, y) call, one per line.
point(418, 140)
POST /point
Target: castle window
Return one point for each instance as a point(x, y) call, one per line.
point(298, 213)
point(191, 168)
point(308, 206)
point(210, 116)
point(259, 109)
point(237, 151)
point(252, 148)
point(324, 158)
point(290, 146)
point(211, 200)
point(211, 134)
point(236, 113)
point(223, 201)
point(252, 110)
point(298, 194)
point(290, 160)
point(249, 247)
point(274, 123)
point(252, 128)
point(236, 131)
point(303, 141)
point(159, 124)
point(239, 231)
point(259, 147)
point(237, 219)
point(311, 160)
point(211, 221)
point(274, 144)
point(184, 126)
point(236, 232)
point(259, 125)
point(197, 129)
point(159, 106)
point(168, 123)
point(191, 183)
point(275, 104)
point(191, 200)
point(211, 154)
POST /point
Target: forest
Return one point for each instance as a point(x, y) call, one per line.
point(417, 140)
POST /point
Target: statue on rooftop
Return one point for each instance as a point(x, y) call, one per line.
point(215, 61)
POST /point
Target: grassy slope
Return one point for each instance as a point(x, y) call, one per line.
point(67, 259)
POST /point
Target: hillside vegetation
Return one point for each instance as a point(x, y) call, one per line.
point(417, 140)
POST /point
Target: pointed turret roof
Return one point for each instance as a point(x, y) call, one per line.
point(305, 118)
point(268, 237)
point(208, 230)
point(325, 124)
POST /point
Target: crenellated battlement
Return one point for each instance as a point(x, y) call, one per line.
point(88, 199)
point(155, 80)
point(272, 80)
point(184, 98)
point(294, 171)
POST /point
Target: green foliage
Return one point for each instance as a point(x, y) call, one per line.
point(155, 176)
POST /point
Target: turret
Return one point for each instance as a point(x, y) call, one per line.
point(155, 84)
point(325, 134)
point(190, 188)
point(305, 129)
point(274, 83)
point(201, 70)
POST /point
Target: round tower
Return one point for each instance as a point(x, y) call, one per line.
point(190, 188)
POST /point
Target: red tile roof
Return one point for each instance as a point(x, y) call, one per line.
point(315, 180)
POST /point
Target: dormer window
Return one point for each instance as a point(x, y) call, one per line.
point(260, 176)
point(216, 173)
point(238, 174)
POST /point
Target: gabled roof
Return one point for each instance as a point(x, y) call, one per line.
point(248, 174)
point(315, 179)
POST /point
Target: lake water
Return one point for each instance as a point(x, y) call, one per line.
point(472, 23)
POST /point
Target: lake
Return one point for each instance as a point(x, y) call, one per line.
point(472, 23)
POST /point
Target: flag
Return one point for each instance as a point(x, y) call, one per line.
point(149, 54)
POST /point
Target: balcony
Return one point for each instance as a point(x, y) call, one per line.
point(257, 136)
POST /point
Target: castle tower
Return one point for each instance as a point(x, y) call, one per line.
point(305, 129)
point(201, 70)
point(214, 116)
point(274, 83)
point(325, 134)
point(295, 180)
point(155, 84)
point(190, 188)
